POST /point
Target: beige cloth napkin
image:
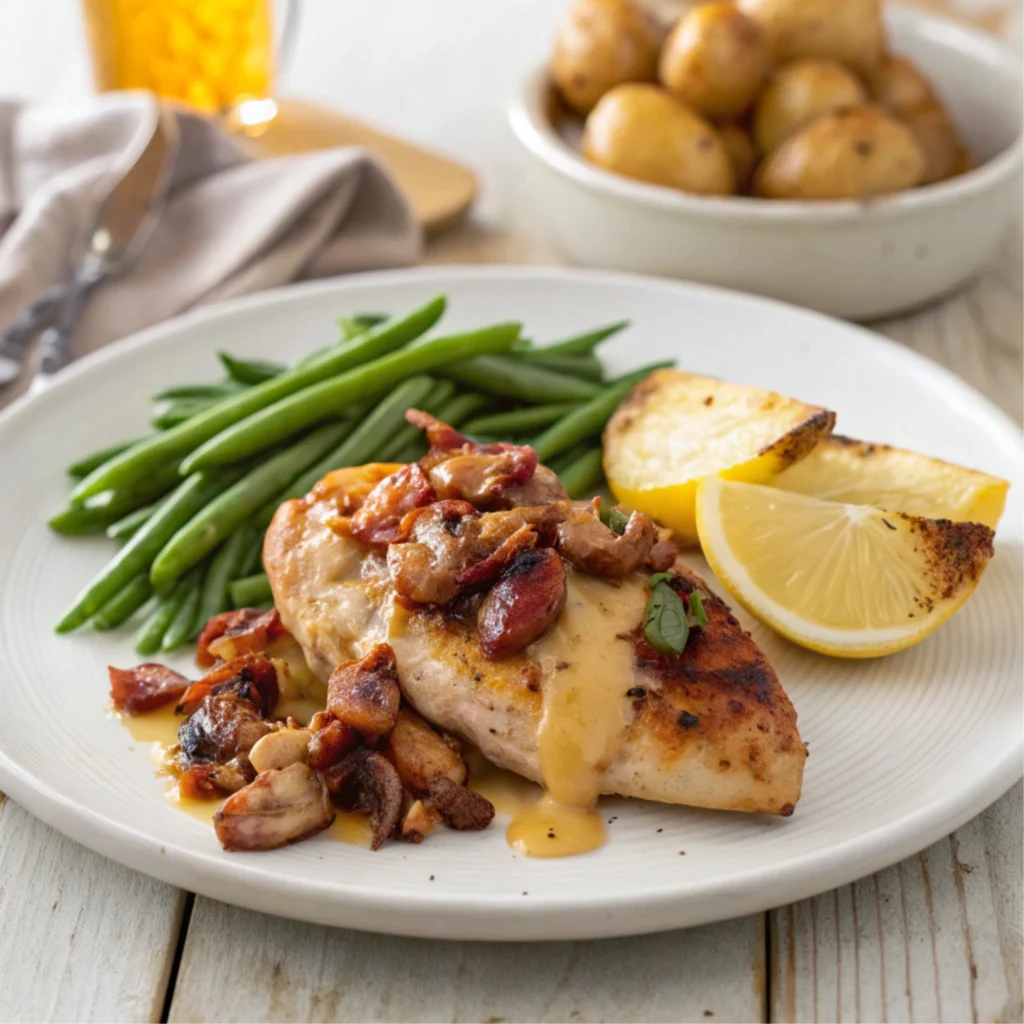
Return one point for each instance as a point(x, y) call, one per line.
point(233, 224)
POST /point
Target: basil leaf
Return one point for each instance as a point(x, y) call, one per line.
point(659, 577)
point(612, 518)
point(696, 613)
point(617, 521)
point(665, 623)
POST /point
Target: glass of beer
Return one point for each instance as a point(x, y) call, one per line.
point(215, 56)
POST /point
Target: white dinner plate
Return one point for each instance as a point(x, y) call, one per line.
point(903, 749)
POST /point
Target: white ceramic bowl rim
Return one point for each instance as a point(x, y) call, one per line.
point(527, 115)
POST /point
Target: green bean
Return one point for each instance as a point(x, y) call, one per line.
point(226, 512)
point(589, 419)
point(587, 367)
point(529, 382)
point(128, 525)
point(358, 323)
point(359, 446)
point(151, 635)
point(562, 462)
point(412, 452)
point(582, 475)
point(101, 511)
point(440, 393)
point(249, 371)
point(124, 604)
point(457, 410)
point(252, 562)
point(251, 592)
point(179, 410)
point(179, 631)
point(182, 504)
point(314, 404)
point(223, 569)
point(224, 389)
point(85, 465)
point(580, 344)
point(136, 462)
point(517, 421)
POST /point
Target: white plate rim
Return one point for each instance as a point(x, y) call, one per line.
point(750, 890)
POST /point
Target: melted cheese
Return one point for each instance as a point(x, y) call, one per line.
point(587, 664)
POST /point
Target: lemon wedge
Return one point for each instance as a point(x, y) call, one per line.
point(860, 473)
point(675, 428)
point(848, 580)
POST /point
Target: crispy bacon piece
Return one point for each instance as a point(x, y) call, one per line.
point(378, 522)
point(331, 741)
point(145, 688)
point(198, 782)
point(420, 754)
point(439, 434)
point(524, 603)
point(365, 695)
point(251, 675)
point(664, 553)
point(451, 548)
point(460, 808)
point(243, 631)
point(591, 546)
point(490, 476)
point(281, 806)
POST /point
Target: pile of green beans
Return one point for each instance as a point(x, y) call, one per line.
point(189, 503)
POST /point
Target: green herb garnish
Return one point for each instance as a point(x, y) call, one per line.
point(667, 620)
point(696, 613)
point(612, 518)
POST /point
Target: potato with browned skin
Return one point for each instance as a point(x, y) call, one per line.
point(601, 44)
point(642, 132)
point(715, 60)
point(798, 94)
point(854, 155)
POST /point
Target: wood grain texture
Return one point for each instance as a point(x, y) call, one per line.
point(285, 971)
point(81, 938)
point(935, 938)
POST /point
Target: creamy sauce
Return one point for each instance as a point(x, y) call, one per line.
point(587, 664)
point(352, 828)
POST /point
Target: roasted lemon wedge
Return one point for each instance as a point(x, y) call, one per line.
point(859, 473)
point(848, 580)
point(675, 428)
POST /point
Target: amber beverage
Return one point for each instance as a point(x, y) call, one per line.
point(212, 55)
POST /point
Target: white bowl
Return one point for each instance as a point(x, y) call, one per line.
point(848, 258)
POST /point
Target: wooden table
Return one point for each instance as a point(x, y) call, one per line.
point(937, 937)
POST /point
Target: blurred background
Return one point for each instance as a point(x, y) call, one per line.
point(440, 76)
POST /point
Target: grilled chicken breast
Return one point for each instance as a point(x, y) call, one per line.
point(709, 728)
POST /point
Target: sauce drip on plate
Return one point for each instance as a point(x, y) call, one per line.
point(587, 664)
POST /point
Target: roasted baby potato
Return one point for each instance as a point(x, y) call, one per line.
point(849, 31)
point(715, 60)
point(934, 133)
point(862, 152)
point(601, 44)
point(642, 132)
point(900, 86)
point(798, 94)
point(741, 151)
